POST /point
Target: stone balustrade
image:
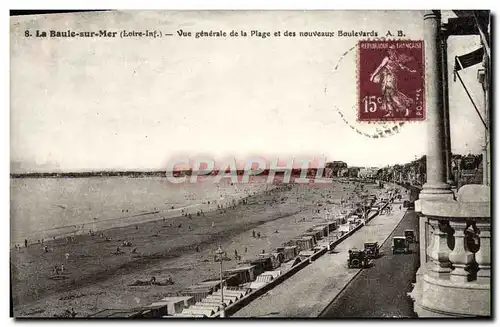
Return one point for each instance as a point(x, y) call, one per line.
point(454, 277)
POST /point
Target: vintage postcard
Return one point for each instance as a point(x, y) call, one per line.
point(250, 164)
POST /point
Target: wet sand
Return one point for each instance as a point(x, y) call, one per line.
point(95, 278)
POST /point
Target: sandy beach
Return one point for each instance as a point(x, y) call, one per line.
point(95, 277)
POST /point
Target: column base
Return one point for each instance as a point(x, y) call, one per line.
point(436, 191)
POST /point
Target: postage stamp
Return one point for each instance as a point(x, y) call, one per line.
point(391, 81)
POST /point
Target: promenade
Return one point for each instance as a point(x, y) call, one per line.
point(311, 290)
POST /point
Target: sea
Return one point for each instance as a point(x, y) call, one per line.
point(44, 208)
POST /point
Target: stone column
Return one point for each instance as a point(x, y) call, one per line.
point(438, 250)
point(436, 185)
point(460, 257)
point(486, 149)
point(446, 105)
point(483, 255)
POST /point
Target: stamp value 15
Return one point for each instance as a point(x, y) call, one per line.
point(391, 81)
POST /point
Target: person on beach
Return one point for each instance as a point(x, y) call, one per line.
point(246, 249)
point(67, 256)
point(25, 243)
point(258, 235)
point(253, 234)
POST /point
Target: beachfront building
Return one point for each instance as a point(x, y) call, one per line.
point(454, 277)
point(368, 172)
point(343, 172)
point(333, 168)
point(353, 172)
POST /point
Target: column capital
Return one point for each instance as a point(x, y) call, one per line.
point(432, 14)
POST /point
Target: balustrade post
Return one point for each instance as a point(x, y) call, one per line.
point(438, 250)
point(483, 255)
point(460, 257)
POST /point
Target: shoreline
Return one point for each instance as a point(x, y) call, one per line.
point(107, 223)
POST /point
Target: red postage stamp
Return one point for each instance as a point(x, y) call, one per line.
point(391, 81)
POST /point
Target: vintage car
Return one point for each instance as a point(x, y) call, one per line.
point(371, 250)
point(357, 259)
point(410, 236)
point(400, 245)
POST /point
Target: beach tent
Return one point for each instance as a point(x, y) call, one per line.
point(198, 293)
point(300, 243)
point(159, 309)
point(244, 274)
point(305, 243)
point(215, 307)
point(323, 229)
point(271, 258)
point(228, 299)
point(186, 315)
point(199, 311)
point(288, 252)
point(280, 256)
point(312, 236)
point(262, 264)
point(175, 304)
point(213, 283)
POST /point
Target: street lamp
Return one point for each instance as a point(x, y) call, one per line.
point(219, 256)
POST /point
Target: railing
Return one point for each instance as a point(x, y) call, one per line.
point(455, 269)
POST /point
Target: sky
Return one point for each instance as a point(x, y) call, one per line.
point(135, 103)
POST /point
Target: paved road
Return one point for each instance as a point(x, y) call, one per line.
point(380, 291)
point(309, 291)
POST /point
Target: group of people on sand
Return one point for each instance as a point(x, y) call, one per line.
point(58, 269)
point(255, 235)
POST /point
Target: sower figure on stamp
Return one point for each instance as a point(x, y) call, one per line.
point(386, 74)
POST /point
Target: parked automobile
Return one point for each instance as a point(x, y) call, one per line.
point(357, 259)
point(372, 250)
point(410, 236)
point(400, 245)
